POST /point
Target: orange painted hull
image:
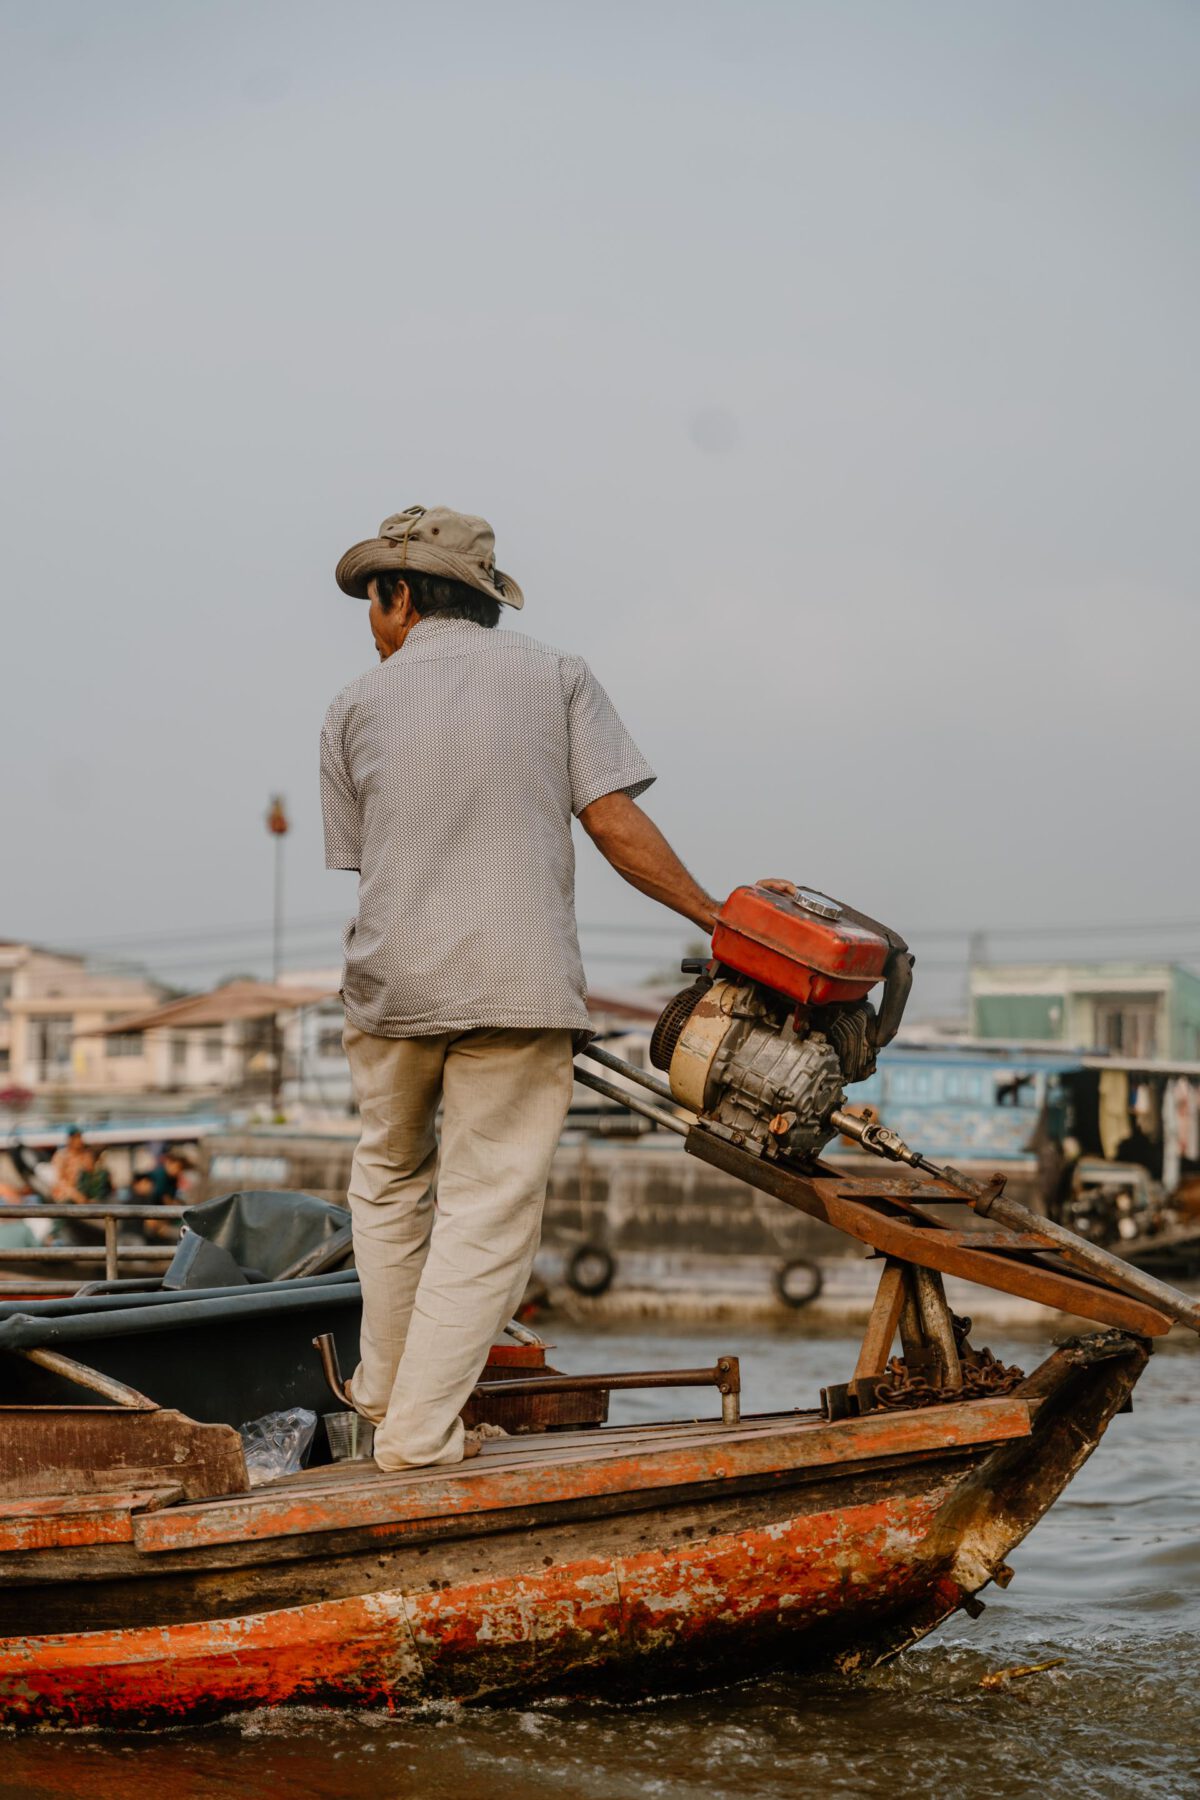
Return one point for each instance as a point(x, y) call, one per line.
point(696, 1607)
point(565, 1566)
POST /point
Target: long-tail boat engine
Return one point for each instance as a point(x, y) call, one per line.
point(778, 1023)
point(760, 1050)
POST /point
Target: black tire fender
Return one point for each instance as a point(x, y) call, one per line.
point(798, 1282)
point(590, 1270)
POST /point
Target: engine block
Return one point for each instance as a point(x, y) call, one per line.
point(754, 1079)
point(760, 1047)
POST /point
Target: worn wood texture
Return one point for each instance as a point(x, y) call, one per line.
point(937, 1326)
point(52, 1522)
point(882, 1325)
point(164, 1590)
point(97, 1449)
point(576, 1473)
point(738, 1594)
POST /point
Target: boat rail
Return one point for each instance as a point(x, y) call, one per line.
point(112, 1216)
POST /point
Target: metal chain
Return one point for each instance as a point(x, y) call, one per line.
point(984, 1377)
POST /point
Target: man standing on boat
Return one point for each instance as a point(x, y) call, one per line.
point(449, 779)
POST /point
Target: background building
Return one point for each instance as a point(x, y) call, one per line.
point(1140, 1010)
point(56, 1041)
point(48, 1000)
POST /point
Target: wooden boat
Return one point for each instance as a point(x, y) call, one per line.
point(142, 1579)
point(639, 1556)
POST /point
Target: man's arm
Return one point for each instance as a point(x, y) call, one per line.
point(637, 849)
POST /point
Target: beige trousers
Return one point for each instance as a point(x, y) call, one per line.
point(437, 1290)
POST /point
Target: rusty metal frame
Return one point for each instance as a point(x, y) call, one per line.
point(887, 1214)
point(725, 1376)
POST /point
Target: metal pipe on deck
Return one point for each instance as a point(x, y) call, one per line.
point(91, 1253)
point(725, 1376)
point(66, 1209)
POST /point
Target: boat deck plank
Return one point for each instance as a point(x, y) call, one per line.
point(542, 1445)
point(552, 1474)
point(543, 1451)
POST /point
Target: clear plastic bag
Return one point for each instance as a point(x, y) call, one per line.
point(277, 1444)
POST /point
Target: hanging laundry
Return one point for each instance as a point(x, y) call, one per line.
point(1114, 1111)
point(1189, 1132)
point(1147, 1108)
point(1171, 1135)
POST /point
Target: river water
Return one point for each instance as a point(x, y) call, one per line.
point(1109, 1582)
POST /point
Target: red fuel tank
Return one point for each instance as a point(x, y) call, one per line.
point(802, 946)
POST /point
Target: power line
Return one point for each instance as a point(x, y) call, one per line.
point(220, 934)
point(259, 928)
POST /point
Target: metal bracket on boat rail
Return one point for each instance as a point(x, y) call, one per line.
point(725, 1375)
point(888, 1215)
point(991, 1202)
point(891, 1219)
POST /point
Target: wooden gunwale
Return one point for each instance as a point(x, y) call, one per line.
point(166, 1589)
point(568, 1475)
point(283, 1521)
point(124, 1563)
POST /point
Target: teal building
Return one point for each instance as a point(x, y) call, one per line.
point(1139, 1010)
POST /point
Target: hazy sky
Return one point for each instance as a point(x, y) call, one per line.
point(828, 372)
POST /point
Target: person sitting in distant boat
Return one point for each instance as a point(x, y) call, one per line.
point(93, 1183)
point(66, 1165)
point(92, 1186)
point(149, 1187)
point(169, 1172)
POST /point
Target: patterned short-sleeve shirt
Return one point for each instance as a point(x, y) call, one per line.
point(449, 776)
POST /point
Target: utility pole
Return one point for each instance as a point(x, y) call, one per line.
point(278, 826)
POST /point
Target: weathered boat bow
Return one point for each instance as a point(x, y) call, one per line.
point(1072, 1398)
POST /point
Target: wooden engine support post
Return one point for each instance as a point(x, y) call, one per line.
point(889, 1302)
point(937, 1327)
point(912, 1301)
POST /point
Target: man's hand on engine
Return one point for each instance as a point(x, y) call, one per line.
point(778, 886)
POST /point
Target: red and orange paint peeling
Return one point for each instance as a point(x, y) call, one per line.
point(696, 1601)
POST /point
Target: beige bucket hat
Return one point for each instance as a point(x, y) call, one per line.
point(436, 540)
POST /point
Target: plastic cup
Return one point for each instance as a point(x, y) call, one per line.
point(351, 1437)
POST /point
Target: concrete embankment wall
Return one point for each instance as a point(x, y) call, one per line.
point(688, 1242)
